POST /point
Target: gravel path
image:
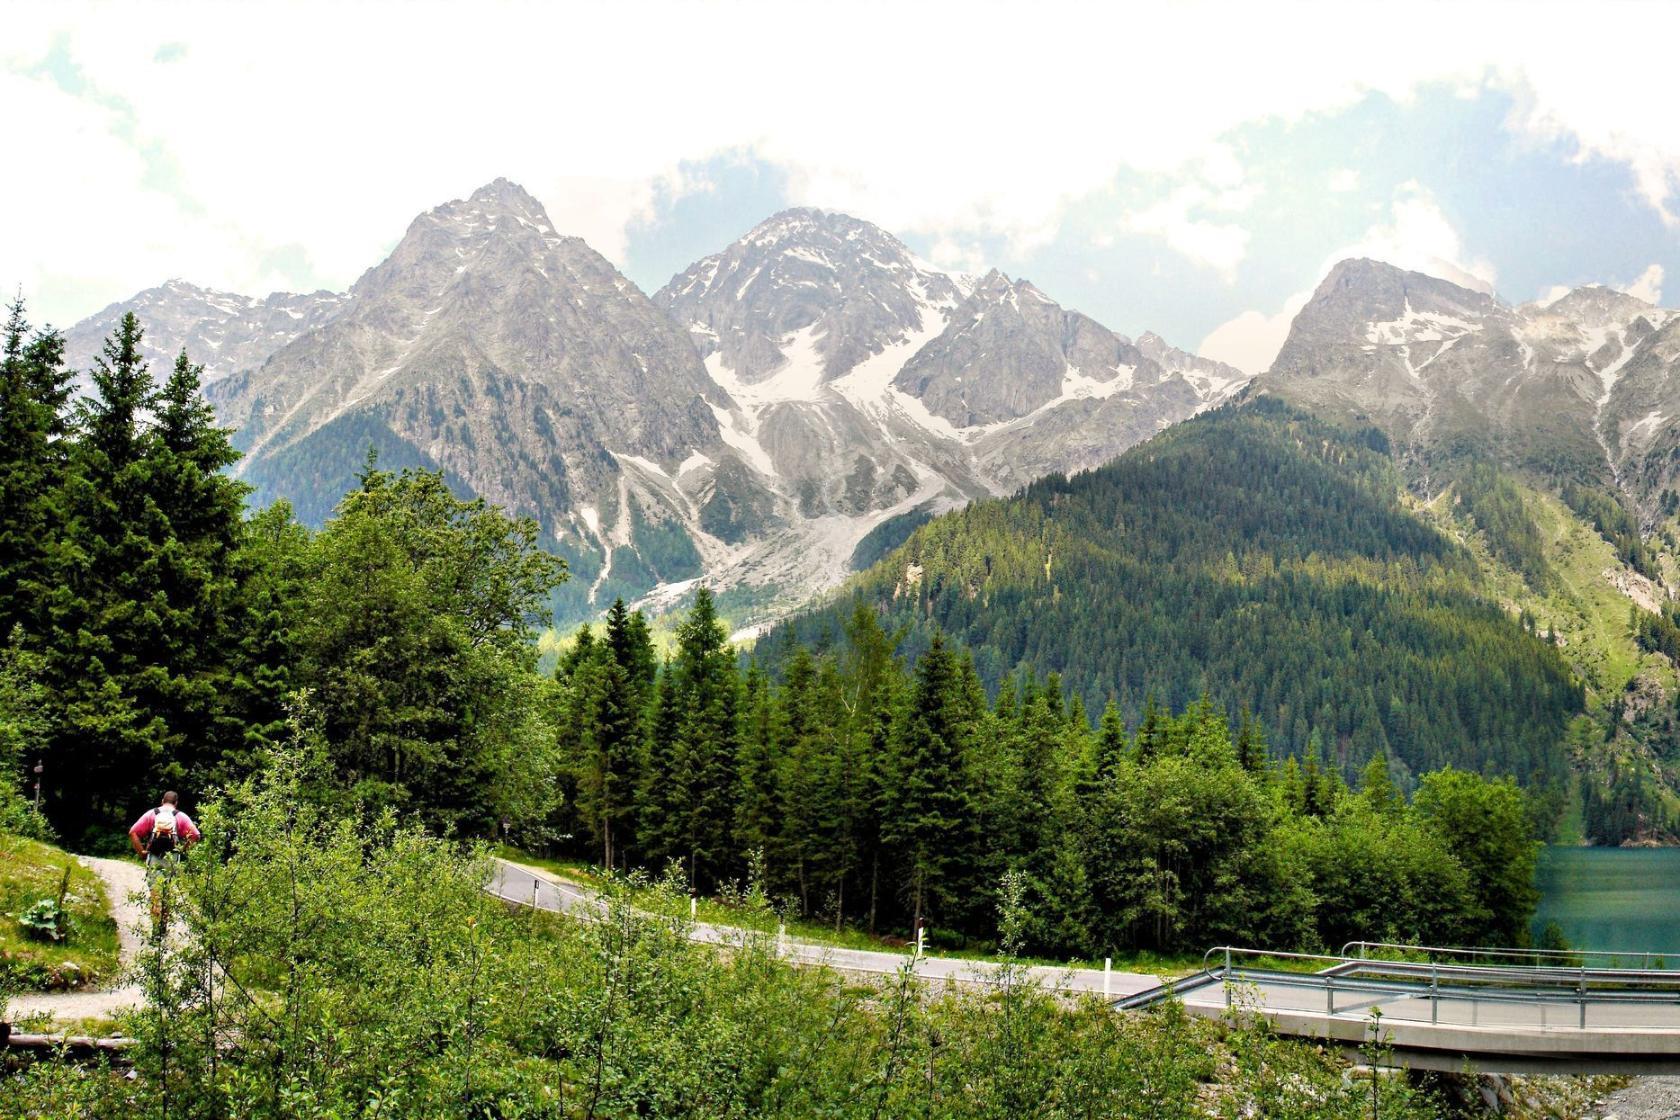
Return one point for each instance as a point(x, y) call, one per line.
point(1648, 1098)
point(125, 887)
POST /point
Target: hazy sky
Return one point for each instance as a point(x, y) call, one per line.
point(1191, 170)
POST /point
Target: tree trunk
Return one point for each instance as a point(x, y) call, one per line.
point(874, 883)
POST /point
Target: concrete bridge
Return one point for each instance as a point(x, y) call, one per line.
point(1504, 1010)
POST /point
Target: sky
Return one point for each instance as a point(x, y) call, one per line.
point(1192, 169)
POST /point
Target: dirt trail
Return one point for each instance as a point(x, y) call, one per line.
point(125, 887)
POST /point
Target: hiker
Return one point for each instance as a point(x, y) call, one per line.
point(163, 831)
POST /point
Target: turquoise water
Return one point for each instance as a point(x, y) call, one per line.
point(1621, 899)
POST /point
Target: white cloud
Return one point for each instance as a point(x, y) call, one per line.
point(1419, 237)
point(1343, 180)
point(1416, 235)
point(1251, 340)
point(328, 125)
point(1185, 221)
point(956, 255)
point(1220, 246)
point(1648, 285)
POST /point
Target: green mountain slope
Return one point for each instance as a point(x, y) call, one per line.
point(1590, 598)
point(1266, 557)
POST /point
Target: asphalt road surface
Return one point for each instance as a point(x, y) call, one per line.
point(529, 886)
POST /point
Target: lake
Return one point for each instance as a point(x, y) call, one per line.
point(1621, 899)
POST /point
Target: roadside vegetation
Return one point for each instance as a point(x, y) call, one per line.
point(366, 974)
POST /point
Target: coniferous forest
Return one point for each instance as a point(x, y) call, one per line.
point(1261, 556)
point(160, 636)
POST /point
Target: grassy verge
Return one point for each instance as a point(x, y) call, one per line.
point(30, 870)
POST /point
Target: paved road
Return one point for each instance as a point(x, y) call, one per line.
point(529, 886)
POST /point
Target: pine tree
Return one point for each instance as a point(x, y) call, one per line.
point(927, 802)
point(1151, 734)
point(1111, 742)
point(34, 388)
point(756, 809)
point(871, 679)
point(105, 643)
point(707, 691)
point(199, 568)
point(661, 793)
point(1376, 787)
point(1251, 743)
point(606, 720)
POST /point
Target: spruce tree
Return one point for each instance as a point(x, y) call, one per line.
point(707, 692)
point(756, 811)
point(34, 387)
point(662, 789)
point(927, 802)
point(199, 568)
point(1251, 743)
point(105, 646)
point(1111, 742)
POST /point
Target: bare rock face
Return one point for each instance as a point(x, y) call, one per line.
point(223, 332)
point(1007, 352)
point(852, 286)
point(518, 361)
point(870, 389)
point(1583, 389)
point(811, 386)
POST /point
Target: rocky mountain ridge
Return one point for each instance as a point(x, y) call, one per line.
point(1584, 389)
point(811, 385)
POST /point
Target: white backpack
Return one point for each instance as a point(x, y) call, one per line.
point(163, 836)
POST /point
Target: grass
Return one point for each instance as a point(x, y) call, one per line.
point(30, 870)
point(729, 912)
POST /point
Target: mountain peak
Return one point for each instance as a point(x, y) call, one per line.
point(507, 193)
point(852, 286)
point(803, 223)
point(1597, 304)
point(1360, 271)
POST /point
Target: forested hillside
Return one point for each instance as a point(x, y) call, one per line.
point(1257, 554)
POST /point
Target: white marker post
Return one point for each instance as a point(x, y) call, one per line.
point(1108, 969)
point(921, 941)
point(693, 908)
point(781, 940)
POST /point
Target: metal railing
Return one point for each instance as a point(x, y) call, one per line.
point(1377, 981)
point(1609, 958)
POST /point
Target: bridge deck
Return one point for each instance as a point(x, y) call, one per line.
point(1496, 1017)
